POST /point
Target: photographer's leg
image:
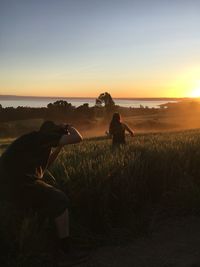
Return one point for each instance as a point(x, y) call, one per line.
point(67, 256)
point(62, 224)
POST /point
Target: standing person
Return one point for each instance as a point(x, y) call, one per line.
point(117, 130)
point(22, 168)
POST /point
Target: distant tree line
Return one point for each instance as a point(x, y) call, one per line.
point(61, 110)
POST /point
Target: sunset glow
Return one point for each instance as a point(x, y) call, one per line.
point(82, 48)
point(196, 93)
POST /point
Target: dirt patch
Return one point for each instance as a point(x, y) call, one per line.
point(174, 243)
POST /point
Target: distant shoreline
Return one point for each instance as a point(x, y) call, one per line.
point(16, 97)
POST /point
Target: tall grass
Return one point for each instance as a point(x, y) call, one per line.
point(113, 187)
point(115, 193)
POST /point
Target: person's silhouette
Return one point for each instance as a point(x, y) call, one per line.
point(22, 168)
point(117, 130)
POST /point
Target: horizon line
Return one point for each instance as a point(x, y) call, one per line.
point(89, 97)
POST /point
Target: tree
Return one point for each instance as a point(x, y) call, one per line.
point(106, 99)
point(98, 102)
point(60, 104)
point(57, 104)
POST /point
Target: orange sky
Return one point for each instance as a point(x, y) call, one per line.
point(177, 84)
point(82, 48)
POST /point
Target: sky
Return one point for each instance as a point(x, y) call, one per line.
point(80, 48)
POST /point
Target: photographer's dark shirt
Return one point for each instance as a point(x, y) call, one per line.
point(27, 157)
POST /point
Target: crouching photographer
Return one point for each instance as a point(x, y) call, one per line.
point(22, 168)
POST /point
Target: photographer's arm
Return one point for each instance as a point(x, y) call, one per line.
point(72, 138)
point(54, 155)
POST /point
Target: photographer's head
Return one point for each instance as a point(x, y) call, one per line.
point(59, 135)
point(49, 127)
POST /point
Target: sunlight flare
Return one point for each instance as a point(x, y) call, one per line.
point(196, 93)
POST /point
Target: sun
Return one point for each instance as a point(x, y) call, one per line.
point(195, 93)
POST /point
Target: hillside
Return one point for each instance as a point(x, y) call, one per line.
point(116, 195)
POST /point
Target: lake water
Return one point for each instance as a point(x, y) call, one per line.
point(43, 102)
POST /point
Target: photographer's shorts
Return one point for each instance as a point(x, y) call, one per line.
point(42, 198)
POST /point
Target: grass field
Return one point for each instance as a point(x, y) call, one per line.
point(115, 194)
